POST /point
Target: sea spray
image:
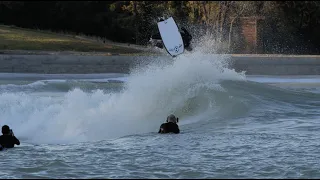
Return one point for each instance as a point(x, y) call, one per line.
point(186, 86)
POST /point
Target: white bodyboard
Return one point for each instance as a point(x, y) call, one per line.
point(171, 37)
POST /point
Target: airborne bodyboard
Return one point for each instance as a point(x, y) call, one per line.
point(171, 37)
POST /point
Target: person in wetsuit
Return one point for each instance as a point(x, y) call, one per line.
point(170, 126)
point(8, 140)
point(186, 38)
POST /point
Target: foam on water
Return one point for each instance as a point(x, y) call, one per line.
point(230, 127)
point(150, 94)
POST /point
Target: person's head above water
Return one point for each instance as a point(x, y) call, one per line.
point(172, 118)
point(5, 130)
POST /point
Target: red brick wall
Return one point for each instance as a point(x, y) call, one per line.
point(249, 31)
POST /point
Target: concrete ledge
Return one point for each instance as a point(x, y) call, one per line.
point(277, 65)
point(77, 64)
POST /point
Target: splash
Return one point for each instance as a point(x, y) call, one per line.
point(186, 86)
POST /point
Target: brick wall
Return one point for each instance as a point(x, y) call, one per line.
point(250, 34)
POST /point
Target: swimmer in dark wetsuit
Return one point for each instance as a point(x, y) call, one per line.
point(170, 126)
point(8, 140)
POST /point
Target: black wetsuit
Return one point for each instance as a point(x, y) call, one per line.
point(8, 141)
point(169, 127)
point(186, 37)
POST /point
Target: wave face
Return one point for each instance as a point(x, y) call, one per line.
point(88, 110)
point(197, 87)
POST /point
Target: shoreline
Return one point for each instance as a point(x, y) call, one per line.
point(154, 53)
point(69, 62)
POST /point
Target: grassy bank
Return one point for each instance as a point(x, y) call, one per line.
point(13, 38)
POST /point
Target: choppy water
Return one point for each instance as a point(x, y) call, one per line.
point(105, 126)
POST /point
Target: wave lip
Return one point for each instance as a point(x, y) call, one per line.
point(197, 87)
point(188, 86)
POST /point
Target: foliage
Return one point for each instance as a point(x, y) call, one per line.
point(289, 26)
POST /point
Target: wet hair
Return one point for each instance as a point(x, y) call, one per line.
point(5, 129)
point(172, 118)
